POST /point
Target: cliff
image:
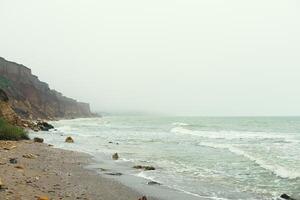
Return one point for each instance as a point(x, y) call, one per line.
point(31, 98)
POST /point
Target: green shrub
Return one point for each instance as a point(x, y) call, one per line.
point(4, 82)
point(11, 132)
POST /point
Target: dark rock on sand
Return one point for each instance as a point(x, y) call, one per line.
point(285, 196)
point(146, 168)
point(114, 173)
point(153, 183)
point(13, 161)
point(39, 140)
point(115, 156)
point(69, 140)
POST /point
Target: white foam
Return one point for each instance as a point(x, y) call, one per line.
point(231, 135)
point(180, 124)
point(147, 177)
point(278, 170)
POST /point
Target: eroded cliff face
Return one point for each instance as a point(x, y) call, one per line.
point(31, 98)
point(6, 112)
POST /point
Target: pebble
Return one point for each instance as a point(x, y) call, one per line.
point(13, 160)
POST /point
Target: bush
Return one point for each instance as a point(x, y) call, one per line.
point(11, 132)
point(4, 82)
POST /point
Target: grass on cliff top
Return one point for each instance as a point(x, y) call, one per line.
point(11, 132)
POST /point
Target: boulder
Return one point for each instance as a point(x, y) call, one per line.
point(39, 140)
point(69, 140)
point(115, 156)
point(146, 168)
point(44, 126)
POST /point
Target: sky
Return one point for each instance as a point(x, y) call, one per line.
point(179, 57)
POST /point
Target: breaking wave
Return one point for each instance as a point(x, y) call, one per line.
point(230, 135)
point(278, 170)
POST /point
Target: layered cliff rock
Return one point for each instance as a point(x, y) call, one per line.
point(31, 98)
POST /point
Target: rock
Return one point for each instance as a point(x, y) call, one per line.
point(69, 140)
point(10, 148)
point(146, 168)
point(19, 167)
point(44, 126)
point(115, 156)
point(29, 156)
point(285, 196)
point(143, 198)
point(114, 173)
point(42, 198)
point(1, 184)
point(13, 160)
point(153, 183)
point(39, 140)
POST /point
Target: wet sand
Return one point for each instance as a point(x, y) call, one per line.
point(43, 171)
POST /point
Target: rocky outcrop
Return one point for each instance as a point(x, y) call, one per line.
point(31, 98)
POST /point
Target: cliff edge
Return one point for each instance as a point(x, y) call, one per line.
point(31, 98)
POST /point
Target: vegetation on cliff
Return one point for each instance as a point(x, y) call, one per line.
point(4, 82)
point(11, 132)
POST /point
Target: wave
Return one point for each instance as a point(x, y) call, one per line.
point(278, 170)
point(231, 135)
point(180, 124)
point(147, 177)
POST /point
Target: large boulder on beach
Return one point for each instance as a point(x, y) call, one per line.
point(69, 140)
point(115, 156)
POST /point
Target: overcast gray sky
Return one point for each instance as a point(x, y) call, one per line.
point(185, 57)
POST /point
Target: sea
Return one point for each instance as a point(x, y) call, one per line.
point(195, 157)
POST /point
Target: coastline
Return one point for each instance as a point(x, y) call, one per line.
point(44, 171)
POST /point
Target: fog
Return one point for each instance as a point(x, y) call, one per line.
point(183, 57)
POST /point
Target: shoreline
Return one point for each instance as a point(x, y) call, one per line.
point(43, 171)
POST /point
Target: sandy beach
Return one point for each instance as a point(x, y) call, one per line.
point(31, 171)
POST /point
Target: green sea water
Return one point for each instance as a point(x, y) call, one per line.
point(205, 157)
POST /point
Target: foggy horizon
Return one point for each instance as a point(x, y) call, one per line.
point(167, 57)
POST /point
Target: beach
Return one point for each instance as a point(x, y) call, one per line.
point(30, 170)
point(195, 158)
